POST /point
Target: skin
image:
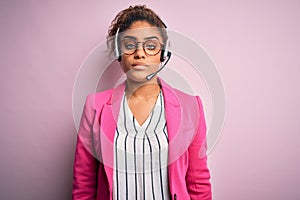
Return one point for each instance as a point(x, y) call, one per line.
point(141, 93)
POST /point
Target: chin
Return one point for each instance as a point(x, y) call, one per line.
point(139, 77)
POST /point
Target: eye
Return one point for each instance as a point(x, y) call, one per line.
point(129, 44)
point(152, 45)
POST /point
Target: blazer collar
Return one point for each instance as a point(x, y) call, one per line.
point(111, 110)
point(167, 91)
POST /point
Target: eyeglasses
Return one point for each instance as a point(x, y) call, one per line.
point(151, 47)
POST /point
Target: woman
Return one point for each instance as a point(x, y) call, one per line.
point(142, 139)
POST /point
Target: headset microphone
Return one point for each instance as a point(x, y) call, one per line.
point(150, 76)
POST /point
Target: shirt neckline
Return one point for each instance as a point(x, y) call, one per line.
point(146, 122)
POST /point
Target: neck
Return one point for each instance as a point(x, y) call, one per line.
point(143, 90)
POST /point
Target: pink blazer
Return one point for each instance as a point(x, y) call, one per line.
point(187, 170)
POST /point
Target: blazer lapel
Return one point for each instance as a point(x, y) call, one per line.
point(172, 110)
point(182, 123)
point(108, 124)
point(173, 117)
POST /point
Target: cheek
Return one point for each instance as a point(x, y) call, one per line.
point(155, 59)
point(124, 65)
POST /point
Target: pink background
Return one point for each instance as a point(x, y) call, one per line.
point(254, 44)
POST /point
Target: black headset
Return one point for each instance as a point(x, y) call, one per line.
point(164, 52)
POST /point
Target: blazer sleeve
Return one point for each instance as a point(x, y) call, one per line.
point(85, 164)
point(198, 176)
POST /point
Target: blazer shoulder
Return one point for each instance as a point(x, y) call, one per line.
point(189, 103)
point(98, 98)
point(181, 93)
point(103, 94)
point(186, 97)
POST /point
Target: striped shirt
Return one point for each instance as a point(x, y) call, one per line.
point(141, 155)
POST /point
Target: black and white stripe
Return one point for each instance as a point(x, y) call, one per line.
point(141, 155)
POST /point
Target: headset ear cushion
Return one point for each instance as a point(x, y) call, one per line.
point(119, 58)
point(162, 55)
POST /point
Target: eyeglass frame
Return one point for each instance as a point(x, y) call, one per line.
point(143, 45)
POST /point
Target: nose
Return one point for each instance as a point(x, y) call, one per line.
point(139, 53)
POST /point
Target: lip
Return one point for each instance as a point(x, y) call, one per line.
point(139, 65)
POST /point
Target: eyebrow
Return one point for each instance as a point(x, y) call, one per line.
point(146, 38)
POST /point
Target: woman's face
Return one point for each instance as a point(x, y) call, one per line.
point(140, 46)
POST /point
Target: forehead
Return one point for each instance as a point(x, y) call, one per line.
point(142, 30)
